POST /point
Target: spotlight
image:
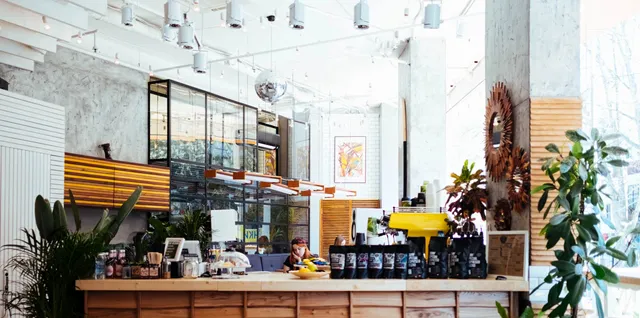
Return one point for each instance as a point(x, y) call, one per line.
point(196, 5)
point(45, 24)
point(361, 15)
point(117, 60)
point(185, 35)
point(127, 15)
point(432, 16)
point(168, 33)
point(79, 37)
point(296, 15)
point(200, 62)
point(150, 71)
point(173, 13)
point(234, 14)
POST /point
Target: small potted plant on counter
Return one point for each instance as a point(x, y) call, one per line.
point(466, 196)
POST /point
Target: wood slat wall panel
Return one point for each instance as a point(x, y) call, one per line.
point(336, 216)
point(550, 118)
point(110, 313)
point(104, 183)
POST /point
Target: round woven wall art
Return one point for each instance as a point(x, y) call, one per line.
point(519, 179)
point(498, 132)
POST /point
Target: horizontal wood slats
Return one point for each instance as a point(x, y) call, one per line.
point(550, 118)
point(108, 183)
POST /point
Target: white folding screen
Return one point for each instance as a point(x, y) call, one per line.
point(32, 137)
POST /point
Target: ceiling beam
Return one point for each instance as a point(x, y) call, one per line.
point(95, 6)
point(20, 50)
point(28, 37)
point(16, 61)
point(33, 21)
point(67, 13)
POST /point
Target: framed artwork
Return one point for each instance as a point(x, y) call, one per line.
point(350, 161)
point(270, 162)
point(508, 253)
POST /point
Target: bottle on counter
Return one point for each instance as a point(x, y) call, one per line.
point(166, 268)
point(110, 265)
point(119, 264)
point(99, 271)
point(144, 269)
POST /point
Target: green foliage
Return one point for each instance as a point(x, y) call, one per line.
point(574, 180)
point(528, 313)
point(193, 227)
point(50, 261)
point(467, 194)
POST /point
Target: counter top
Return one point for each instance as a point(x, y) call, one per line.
point(287, 282)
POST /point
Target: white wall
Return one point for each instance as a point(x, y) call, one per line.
point(353, 125)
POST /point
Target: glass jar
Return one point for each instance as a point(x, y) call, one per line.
point(154, 271)
point(191, 268)
point(101, 260)
point(126, 272)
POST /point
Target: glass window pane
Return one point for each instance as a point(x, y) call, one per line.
point(299, 201)
point(224, 133)
point(255, 213)
point(278, 214)
point(299, 231)
point(180, 205)
point(217, 189)
point(299, 216)
point(279, 234)
point(251, 125)
point(250, 154)
point(271, 197)
point(158, 132)
point(187, 124)
point(299, 151)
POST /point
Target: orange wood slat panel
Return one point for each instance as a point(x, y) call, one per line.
point(104, 183)
point(550, 118)
point(335, 219)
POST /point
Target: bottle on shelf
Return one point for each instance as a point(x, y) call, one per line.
point(119, 264)
point(110, 265)
point(99, 272)
point(144, 270)
point(166, 268)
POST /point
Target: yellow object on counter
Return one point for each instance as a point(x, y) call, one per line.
point(420, 224)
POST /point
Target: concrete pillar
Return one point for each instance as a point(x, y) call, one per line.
point(422, 84)
point(389, 165)
point(534, 47)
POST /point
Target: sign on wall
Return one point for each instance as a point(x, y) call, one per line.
point(350, 161)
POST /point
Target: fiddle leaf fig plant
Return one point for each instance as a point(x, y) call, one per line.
point(571, 201)
point(467, 194)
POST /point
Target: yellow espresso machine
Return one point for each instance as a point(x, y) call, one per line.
point(418, 222)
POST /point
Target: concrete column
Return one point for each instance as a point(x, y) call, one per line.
point(389, 165)
point(422, 84)
point(315, 174)
point(534, 47)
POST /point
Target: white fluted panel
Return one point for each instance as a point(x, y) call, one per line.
point(31, 163)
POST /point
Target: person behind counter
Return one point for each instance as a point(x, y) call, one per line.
point(299, 251)
point(340, 241)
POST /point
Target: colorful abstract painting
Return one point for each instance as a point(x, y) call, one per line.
point(270, 162)
point(350, 164)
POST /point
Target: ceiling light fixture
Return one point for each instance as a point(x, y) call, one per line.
point(45, 24)
point(127, 14)
point(296, 15)
point(185, 34)
point(310, 193)
point(79, 37)
point(196, 5)
point(117, 60)
point(173, 13)
point(221, 175)
point(278, 187)
point(200, 62)
point(168, 33)
point(305, 185)
point(432, 16)
point(234, 14)
point(266, 146)
point(361, 15)
point(340, 192)
point(252, 176)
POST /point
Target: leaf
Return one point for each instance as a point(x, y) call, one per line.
point(544, 187)
point(554, 234)
point(564, 203)
point(610, 276)
point(566, 164)
point(557, 219)
point(574, 136)
point(578, 269)
point(59, 217)
point(576, 150)
point(564, 267)
point(631, 258)
point(44, 217)
point(549, 208)
point(560, 309)
point(582, 171)
point(582, 134)
point(598, 305)
point(543, 201)
point(616, 253)
point(552, 148)
point(536, 288)
point(612, 136)
point(553, 298)
point(612, 241)
point(636, 230)
point(576, 291)
point(548, 279)
point(576, 189)
point(501, 311)
point(607, 222)
point(123, 212)
point(594, 134)
point(618, 151)
point(578, 250)
point(528, 313)
point(595, 198)
point(76, 212)
point(583, 233)
point(603, 170)
point(596, 270)
point(617, 163)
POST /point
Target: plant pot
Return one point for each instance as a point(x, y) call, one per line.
point(135, 271)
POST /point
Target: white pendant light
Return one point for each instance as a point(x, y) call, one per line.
point(234, 14)
point(173, 13)
point(185, 35)
point(361, 15)
point(432, 16)
point(127, 15)
point(296, 15)
point(200, 62)
point(168, 33)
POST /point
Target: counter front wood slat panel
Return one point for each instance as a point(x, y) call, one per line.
point(430, 313)
point(324, 299)
point(218, 299)
point(430, 299)
point(165, 313)
point(109, 313)
point(324, 312)
point(230, 312)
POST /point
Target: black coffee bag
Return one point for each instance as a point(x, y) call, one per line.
point(401, 261)
point(388, 261)
point(477, 258)
point(362, 262)
point(337, 257)
point(438, 261)
point(416, 264)
point(350, 265)
point(375, 261)
point(459, 258)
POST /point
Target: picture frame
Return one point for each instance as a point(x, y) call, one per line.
point(508, 253)
point(349, 157)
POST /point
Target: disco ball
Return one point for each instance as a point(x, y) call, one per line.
point(269, 87)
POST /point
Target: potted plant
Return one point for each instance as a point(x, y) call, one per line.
point(574, 217)
point(192, 226)
point(51, 260)
point(467, 195)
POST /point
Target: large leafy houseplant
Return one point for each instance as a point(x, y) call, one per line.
point(577, 197)
point(192, 226)
point(49, 262)
point(467, 194)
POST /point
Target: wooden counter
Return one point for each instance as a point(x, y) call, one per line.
point(283, 295)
